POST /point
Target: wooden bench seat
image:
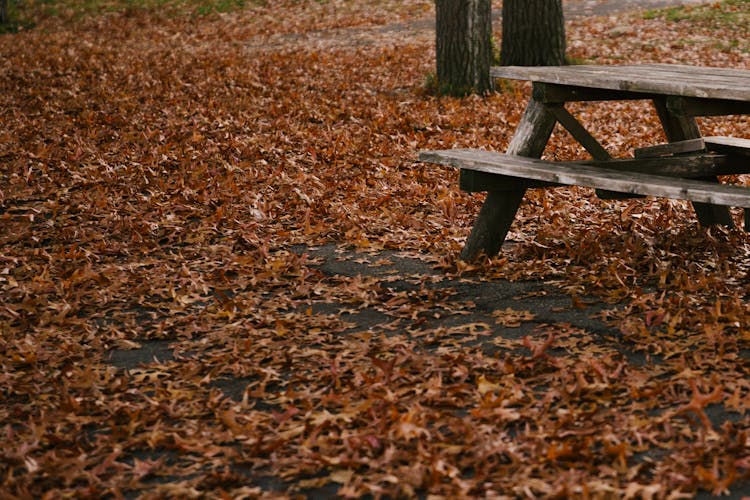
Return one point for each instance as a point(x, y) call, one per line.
point(595, 176)
point(728, 145)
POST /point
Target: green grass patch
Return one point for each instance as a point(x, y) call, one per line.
point(576, 61)
point(727, 15)
point(716, 14)
point(25, 14)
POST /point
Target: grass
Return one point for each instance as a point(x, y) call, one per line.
point(714, 14)
point(25, 14)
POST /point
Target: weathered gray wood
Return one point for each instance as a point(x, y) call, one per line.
point(657, 75)
point(694, 166)
point(688, 166)
point(551, 93)
point(533, 131)
point(718, 71)
point(677, 128)
point(492, 224)
point(705, 91)
point(578, 132)
point(703, 73)
point(693, 106)
point(731, 145)
point(500, 207)
point(472, 181)
point(584, 175)
point(590, 144)
point(664, 79)
point(681, 128)
point(672, 148)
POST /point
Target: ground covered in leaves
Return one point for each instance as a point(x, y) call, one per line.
point(224, 274)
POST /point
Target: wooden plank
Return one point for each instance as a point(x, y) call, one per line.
point(590, 144)
point(689, 68)
point(675, 166)
point(551, 93)
point(680, 128)
point(689, 166)
point(713, 83)
point(731, 145)
point(706, 72)
point(693, 106)
point(693, 166)
point(578, 132)
point(472, 181)
point(596, 177)
point(672, 148)
point(499, 209)
point(716, 77)
point(677, 128)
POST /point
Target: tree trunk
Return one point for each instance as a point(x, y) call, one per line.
point(533, 33)
point(464, 46)
point(3, 11)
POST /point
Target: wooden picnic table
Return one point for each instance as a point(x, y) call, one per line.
point(685, 168)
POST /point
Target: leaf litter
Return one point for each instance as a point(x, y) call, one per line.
point(166, 181)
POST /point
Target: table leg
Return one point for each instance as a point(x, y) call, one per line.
point(680, 127)
point(500, 207)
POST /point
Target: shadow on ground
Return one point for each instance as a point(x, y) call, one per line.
point(477, 300)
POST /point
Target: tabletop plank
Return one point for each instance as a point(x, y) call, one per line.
point(714, 78)
point(664, 79)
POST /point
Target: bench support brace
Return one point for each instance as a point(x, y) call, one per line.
point(585, 139)
point(500, 207)
point(681, 128)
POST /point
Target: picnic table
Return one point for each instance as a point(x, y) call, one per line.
point(686, 167)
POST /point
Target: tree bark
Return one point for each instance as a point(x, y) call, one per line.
point(464, 46)
point(533, 33)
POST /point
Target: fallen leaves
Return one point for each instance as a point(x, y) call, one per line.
point(157, 174)
point(699, 401)
point(511, 318)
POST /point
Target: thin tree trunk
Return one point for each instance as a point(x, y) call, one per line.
point(533, 33)
point(3, 11)
point(464, 46)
